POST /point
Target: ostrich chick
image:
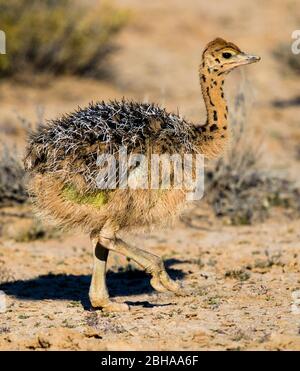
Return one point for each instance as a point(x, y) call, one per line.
point(61, 158)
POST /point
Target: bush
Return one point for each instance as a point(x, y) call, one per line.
point(58, 36)
point(22, 227)
point(242, 192)
point(12, 184)
point(238, 188)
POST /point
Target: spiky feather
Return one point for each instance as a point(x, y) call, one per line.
point(69, 146)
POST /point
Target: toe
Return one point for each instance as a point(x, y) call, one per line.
point(115, 307)
point(108, 305)
point(170, 284)
point(156, 284)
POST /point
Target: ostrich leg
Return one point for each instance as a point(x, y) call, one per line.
point(98, 293)
point(151, 263)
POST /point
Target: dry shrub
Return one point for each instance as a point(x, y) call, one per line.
point(12, 183)
point(33, 231)
point(16, 224)
point(287, 59)
point(58, 36)
point(237, 187)
point(13, 190)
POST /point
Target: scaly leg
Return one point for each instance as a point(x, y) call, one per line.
point(154, 265)
point(98, 293)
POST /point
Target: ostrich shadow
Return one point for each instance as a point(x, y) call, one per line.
point(75, 287)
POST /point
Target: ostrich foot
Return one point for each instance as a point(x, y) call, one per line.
point(161, 281)
point(108, 305)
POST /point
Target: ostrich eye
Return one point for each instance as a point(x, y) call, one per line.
point(226, 55)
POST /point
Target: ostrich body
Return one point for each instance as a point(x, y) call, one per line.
point(62, 161)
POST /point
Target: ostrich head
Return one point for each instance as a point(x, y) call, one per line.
point(221, 57)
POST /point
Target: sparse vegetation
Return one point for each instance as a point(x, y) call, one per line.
point(4, 330)
point(242, 192)
point(238, 188)
point(13, 193)
point(268, 262)
point(286, 58)
point(5, 274)
point(58, 36)
point(239, 274)
point(35, 231)
point(12, 185)
point(213, 302)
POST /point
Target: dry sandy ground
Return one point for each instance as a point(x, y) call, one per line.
point(238, 280)
point(238, 284)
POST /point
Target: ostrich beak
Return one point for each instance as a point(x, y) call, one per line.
point(240, 59)
point(252, 58)
point(244, 58)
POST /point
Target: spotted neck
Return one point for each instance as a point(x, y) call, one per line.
point(212, 137)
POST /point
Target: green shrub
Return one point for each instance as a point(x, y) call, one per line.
point(58, 36)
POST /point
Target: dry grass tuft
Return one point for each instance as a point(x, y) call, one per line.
point(59, 36)
point(35, 230)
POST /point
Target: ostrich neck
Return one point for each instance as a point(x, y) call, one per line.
point(212, 136)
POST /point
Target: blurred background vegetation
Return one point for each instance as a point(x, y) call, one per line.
point(58, 36)
point(149, 51)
